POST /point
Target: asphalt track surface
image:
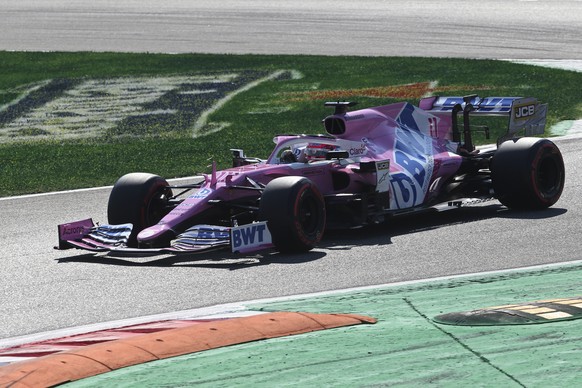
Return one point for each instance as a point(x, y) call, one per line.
point(500, 29)
point(42, 289)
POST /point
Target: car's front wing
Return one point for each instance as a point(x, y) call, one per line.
point(84, 234)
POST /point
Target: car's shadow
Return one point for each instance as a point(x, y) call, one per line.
point(218, 259)
point(380, 234)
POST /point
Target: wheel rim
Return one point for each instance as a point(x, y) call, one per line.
point(156, 209)
point(548, 177)
point(308, 215)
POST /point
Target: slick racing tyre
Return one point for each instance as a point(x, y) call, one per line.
point(295, 213)
point(528, 173)
point(140, 199)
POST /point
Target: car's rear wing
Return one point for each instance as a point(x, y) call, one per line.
point(526, 115)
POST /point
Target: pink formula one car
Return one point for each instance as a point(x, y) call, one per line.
point(370, 164)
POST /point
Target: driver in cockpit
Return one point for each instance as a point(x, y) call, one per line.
point(288, 156)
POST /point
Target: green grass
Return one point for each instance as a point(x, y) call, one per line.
point(164, 146)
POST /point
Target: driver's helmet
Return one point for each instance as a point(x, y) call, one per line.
point(288, 156)
point(318, 151)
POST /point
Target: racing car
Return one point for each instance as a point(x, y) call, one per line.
point(370, 165)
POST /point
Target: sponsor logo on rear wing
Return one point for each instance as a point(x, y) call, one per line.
point(528, 114)
point(491, 106)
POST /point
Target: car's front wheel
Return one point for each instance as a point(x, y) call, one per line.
point(528, 173)
point(295, 213)
point(140, 199)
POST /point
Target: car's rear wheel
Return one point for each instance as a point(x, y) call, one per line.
point(140, 199)
point(528, 173)
point(295, 213)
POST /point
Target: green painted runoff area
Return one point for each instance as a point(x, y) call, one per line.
point(405, 347)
